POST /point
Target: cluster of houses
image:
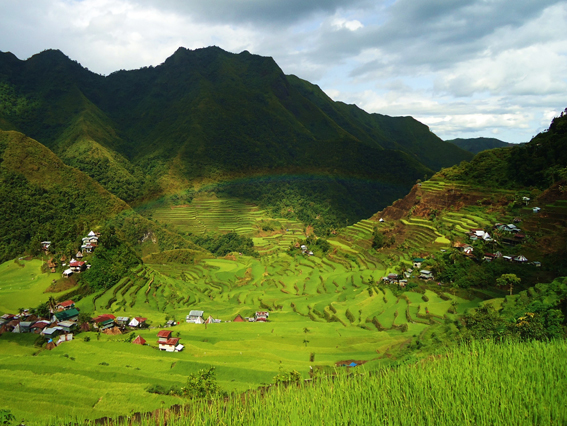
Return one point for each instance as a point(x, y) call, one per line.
point(63, 323)
point(57, 329)
point(305, 250)
point(76, 266)
point(196, 317)
point(109, 321)
point(424, 274)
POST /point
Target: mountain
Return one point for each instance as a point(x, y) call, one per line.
point(207, 116)
point(45, 200)
point(538, 163)
point(476, 145)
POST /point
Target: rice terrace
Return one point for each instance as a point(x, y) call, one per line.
point(212, 241)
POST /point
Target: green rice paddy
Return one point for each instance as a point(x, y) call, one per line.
point(323, 309)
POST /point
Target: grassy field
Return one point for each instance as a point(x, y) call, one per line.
point(22, 285)
point(477, 384)
point(323, 309)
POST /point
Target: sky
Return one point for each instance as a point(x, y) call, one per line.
point(466, 68)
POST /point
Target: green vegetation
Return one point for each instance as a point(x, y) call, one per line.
point(437, 390)
point(476, 145)
point(216, 117)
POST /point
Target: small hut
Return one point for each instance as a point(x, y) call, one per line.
point(239, 318)
point(139, 340)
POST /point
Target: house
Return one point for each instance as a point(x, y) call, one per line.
point(79, 255)
point(239, 318)
point(425, 274)
point(122, 320)
point(468, 249)
point(25, 326)
point(67, 273)
point(102, 322)
point(171, 345)
point(211, 320)
point(403, 283)
point(489, 257)
point(520, 258)
point(261, 316)
point(137, 322)
point(170, 323)
point(38, 326)
point(408, 273)
point(90, 238)
point(68, 315)
point(475, 234)
point(511, 228)
point(417, 262)
point(536, 209)
point(139, 340)
point(67, 337)
point(195, 317)
point(52, 331)
point(13, 326)
point(77, 266)
point(67, 326)
point(45, 245)
point(381, 220)
point(67, 304)
point(164, 336)
point(536, 263)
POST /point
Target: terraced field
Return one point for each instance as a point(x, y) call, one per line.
point(205, 215)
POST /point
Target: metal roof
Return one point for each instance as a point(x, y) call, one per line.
point(196, 313)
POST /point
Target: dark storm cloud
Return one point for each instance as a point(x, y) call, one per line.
point(260, 12)
point(434, 33)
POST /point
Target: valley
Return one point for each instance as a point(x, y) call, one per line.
point(210, 234)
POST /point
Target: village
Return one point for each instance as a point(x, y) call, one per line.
point(63, 325)
point(508, 234)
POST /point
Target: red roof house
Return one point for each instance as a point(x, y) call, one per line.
point(163, 336)
point(239, 318)
point(139, 340)
point(67, 304)
point(103, 318)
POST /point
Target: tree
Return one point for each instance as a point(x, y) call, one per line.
point(508, 280)
point(6, 417)
point(203, 385)
point(51, 304)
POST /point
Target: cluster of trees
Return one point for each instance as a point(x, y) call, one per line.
point(538, 313)
point(223, 244)
point(380, 239)
point(325, 203)
point(463, 272)
point(200, 385)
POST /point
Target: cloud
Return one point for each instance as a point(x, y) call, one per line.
point(254, 12)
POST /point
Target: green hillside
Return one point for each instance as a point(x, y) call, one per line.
point(43, 199)
point(538, 163)
point(476, 145)
point(212, 116)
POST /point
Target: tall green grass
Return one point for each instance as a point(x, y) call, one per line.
point(483, 383)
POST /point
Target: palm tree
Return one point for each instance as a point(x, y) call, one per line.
point(52, 304)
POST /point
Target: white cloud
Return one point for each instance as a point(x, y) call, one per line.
point(340, 23)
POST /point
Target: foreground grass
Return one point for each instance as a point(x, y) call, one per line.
point(479, 384)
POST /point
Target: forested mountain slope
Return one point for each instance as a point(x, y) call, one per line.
point(209, 115)
point(476, 145)
point(45, 200)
